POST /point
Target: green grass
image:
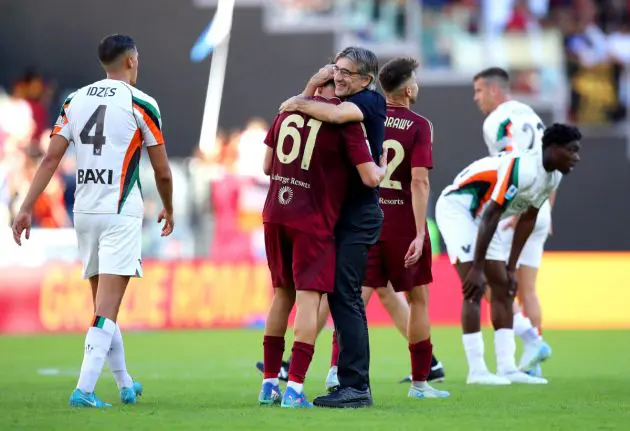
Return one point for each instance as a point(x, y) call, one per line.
point(206, 380)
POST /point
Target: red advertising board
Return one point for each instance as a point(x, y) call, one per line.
point(577, 290)
point(184, 294)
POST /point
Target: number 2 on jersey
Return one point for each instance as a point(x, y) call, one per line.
point(97, 140)
point(287, 129)
point(529, 128)
point(399, 155)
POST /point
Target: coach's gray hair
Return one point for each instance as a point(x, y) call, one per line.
point(366, 61)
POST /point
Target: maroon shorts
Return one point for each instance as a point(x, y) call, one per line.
point(386, 262)
point(298, 260)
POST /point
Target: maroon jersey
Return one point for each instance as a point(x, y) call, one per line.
point(408, 141)
point(310, 170)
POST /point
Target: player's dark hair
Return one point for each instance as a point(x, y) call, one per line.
point(495, 74)
point(113, 46)
point(560, 134)
point(329, 83)
point(366, 61)
point(396, 72)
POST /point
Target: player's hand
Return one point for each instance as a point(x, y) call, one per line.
point(513, 285)
point(169, 222)
point(511, 224)
point(415, 251)
point(550, 233)
point(324, 75)
point(21, 223)
point(382, 165)
point(474, 285)
point(382, 162)
point(290, 104)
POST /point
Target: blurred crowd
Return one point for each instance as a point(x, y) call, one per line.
point(221, 192)
point(25, 120)
point(594, 34)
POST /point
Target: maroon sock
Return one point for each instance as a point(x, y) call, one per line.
point(301, 357)
point(421, 354)
point(334, 357)
point(273, 348)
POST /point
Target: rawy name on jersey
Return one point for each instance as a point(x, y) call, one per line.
point(398, 123)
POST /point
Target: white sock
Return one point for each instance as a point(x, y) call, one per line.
point(523, 328)
point(505, 349)
point(274, 381)
point(116, 361)
point(473, 345)
point(297, 387)
point(97, 343)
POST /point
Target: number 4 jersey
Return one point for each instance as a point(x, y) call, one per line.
point(108, 121)
point(513, 126)
point(408, 142)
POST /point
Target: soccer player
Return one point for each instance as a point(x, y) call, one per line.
point(355, 72)
point(402, 255)
point(512, 125)
point(108, 121)
point(308, 164)
point(398, 308)
point(468, 213)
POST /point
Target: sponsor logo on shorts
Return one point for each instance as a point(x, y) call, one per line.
point(285, 195)
point(466, 248)
point(519, 206)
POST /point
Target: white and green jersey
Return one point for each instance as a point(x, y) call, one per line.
point(108, 121)
point(513, 126)
point(515, 181)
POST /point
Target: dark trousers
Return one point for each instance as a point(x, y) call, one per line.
point(346, 306)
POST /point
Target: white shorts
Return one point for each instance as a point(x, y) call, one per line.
point(459, 230)
point(532, 252)
point(109, 244)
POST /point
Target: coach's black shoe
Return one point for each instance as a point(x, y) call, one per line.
point(284, 370)
point(345, 398)
point(436, 375)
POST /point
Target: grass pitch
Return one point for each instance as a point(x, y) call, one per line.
point(206, 380)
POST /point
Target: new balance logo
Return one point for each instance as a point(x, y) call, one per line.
point(466, 248)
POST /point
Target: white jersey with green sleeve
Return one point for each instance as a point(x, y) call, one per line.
point(522, 181)
point(109, 121)
point(513, 126)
